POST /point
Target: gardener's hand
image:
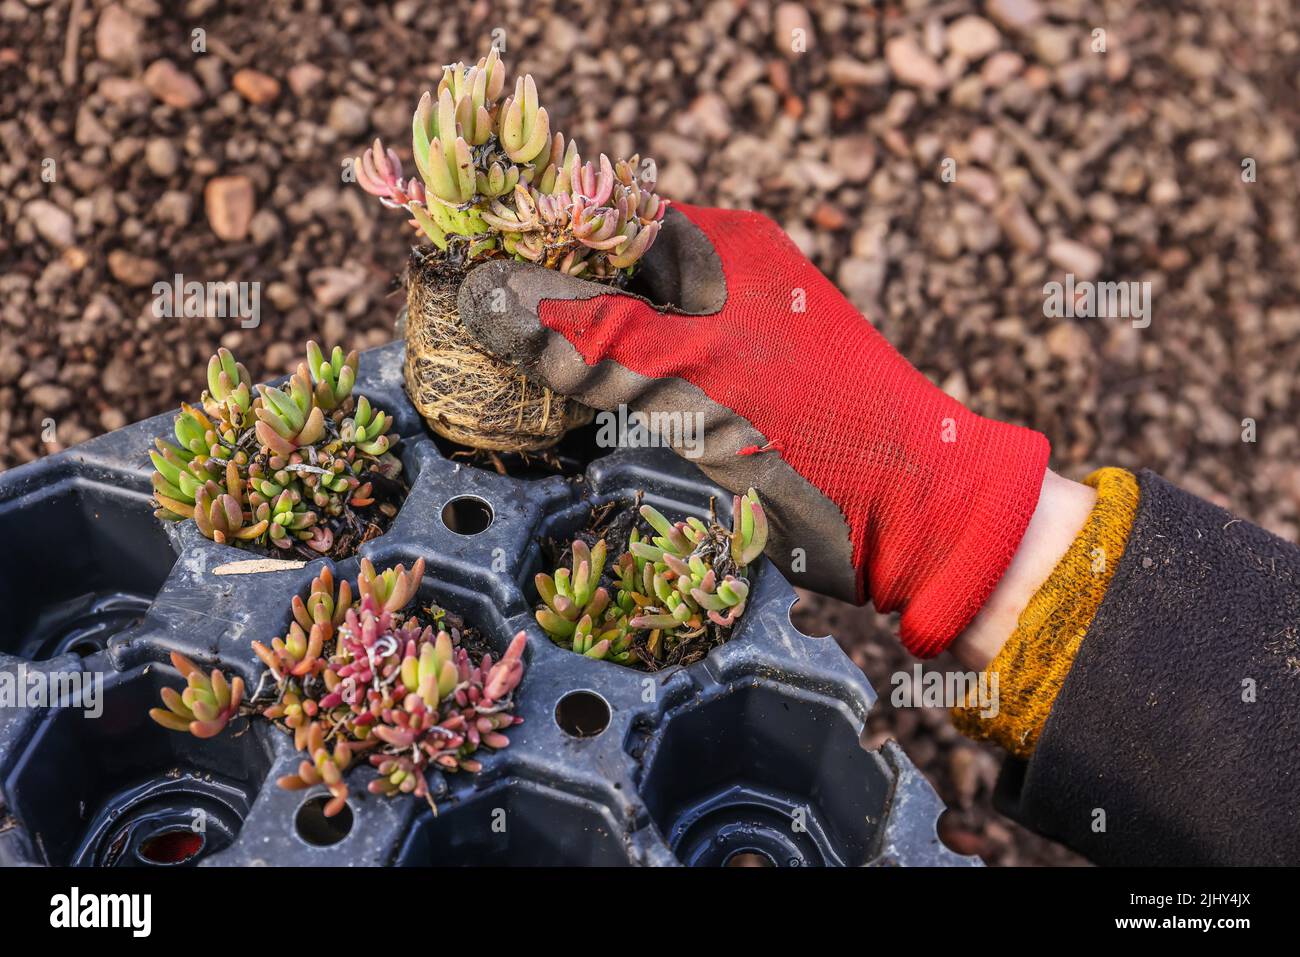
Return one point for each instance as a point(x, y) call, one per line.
point(876, 483)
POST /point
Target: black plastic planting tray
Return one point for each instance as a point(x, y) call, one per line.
point(751, 756)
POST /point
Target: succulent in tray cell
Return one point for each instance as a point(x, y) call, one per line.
point(206, 705)
point(577, 612)
point(304, 468)
point(674, 593)
point(357, 674)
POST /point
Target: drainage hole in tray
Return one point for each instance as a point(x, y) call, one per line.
point(317, 829)
point(582, 714)
point(750, 859)
point(467, 515)
point(159, 832)
point(175, 846)
point(742, 827)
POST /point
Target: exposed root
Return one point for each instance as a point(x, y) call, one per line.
point(464, 394)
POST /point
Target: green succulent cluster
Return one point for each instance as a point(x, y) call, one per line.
point(357, 674)
point(672, 585)
point(494, 180)
point(270, 469)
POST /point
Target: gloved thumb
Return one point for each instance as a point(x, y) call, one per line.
point(498, 303)
point(531, 317)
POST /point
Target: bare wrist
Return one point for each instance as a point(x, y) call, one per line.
point(1062, 509)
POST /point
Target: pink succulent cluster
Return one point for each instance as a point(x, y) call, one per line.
point(604, 208)
point(360, 674)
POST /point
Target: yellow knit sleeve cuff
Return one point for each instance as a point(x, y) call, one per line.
point(1031, 667)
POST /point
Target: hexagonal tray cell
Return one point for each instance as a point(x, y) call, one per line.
point(116, 789)
point(81, 563)
point(762, 775)
point(617, 483)
point(519, 823)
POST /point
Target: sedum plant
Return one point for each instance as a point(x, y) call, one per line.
point(357, 673)
point(206, 705)
point(494, 180)
point(285, 468)
point(676, 592)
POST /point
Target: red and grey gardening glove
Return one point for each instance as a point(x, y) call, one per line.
point(876, 483)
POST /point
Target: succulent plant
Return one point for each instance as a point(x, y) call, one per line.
point(281, 468)
point(495, 180)
point(206, 705)
point(325, 767)
point(576, 611)
point(356, 673)
point(671, 587)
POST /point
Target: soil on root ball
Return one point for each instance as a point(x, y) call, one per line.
point(466, 395)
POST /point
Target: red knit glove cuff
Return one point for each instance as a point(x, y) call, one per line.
point(943, 592)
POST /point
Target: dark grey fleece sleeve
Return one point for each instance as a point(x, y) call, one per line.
point(1176, 736)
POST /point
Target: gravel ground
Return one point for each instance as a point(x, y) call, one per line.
point(1169, 158)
